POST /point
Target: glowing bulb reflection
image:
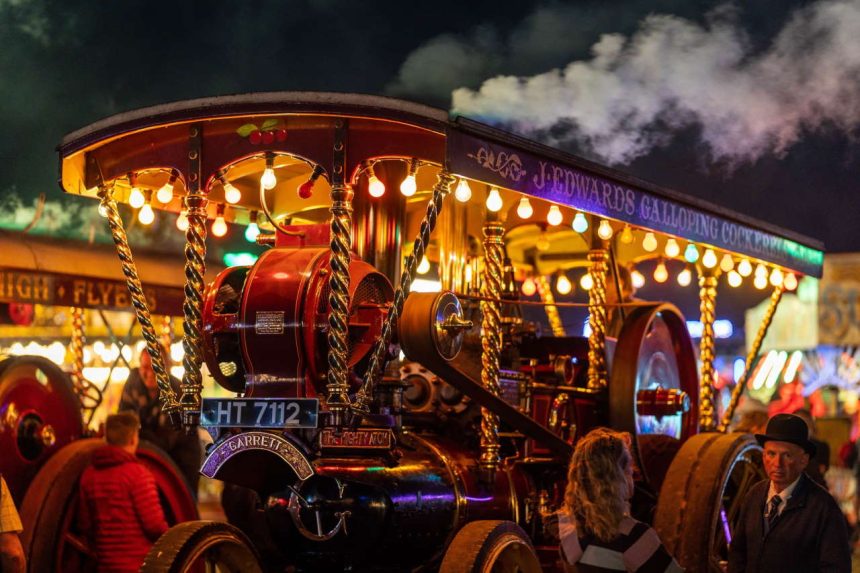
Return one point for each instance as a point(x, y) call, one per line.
point(727, 263)
point(463, 192)
point(586, 282)
point(146, 216)
point(529, 287)
point(268, 180)
point(554, 217)
point(580, 223)
point(563, 285)
point(231, 194)
point(136, 198)
point(494, 200)
point(685, 277)
point(661, 273)
point(637, 278)
point(219, 226)
point(524, 209)
point(626, 235)
point(423, 266)
point(375, 187)
point(408, 186)
point(745, 268)
point(649, 243)
point(735, 279)
point(604, 230)
point(790, 282)
point(709, 259)
point(182, 221)
point(672, 249)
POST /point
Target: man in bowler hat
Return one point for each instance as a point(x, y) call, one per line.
point(789, 523)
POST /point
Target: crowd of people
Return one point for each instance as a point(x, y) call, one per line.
point(788, 522)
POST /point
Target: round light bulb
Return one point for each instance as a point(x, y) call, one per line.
point(586, 282)
point(136, 198)
point(165, 194)
point(760, 270)
point(685, 277)
point(745, 268)
point(580, 223)
point(691, 253)
point(103, 210)
point(494, 200)
point(661, 273)
point(375, 187)
point(268, 179)
point(554, 217)
point(182, 221)
point(529, 287)
point(463, 192)
point(672, 248)
point(562, 285)
point(760, 281)
point(524, 209)
point(232, 195)
point(727, 263)
point(146, 215)
point(649, 243)
point(626, 235)
point(604, 230)
point(790, 282)
point(423, 266)
point(219, 226)
point(709, 259)
point(776, 277)
point(408, 186)
point(252, 232)
point(735, 279)
point(637, 278)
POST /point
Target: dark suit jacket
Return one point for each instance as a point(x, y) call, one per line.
point(808, 536)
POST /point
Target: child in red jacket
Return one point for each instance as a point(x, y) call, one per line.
point(119, 507)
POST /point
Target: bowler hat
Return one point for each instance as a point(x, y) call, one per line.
point(788, 428)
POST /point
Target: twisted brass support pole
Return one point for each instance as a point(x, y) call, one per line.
point(377, 359)
point(196, 201)
point(337, 397)
point(545, 291)
point(755, 348)
point(597, 375)
point(491, 338)
point(76, 348)
point(138, 301)
point(89, 395)
point(707, 310)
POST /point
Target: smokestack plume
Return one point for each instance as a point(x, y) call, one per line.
point(673, 74)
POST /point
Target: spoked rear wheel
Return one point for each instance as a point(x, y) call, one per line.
point(202, 547)
point(490, 547)
point(700, 501)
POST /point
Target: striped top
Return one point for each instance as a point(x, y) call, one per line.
point(636, 548)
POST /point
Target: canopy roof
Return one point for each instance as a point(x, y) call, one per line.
point(299, 128)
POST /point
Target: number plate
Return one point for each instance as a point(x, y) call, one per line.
point(260, 413)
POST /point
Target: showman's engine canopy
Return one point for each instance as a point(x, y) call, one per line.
point(403, 383)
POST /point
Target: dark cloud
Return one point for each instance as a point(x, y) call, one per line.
point(66, 64)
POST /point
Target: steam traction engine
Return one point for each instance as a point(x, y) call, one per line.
point(377, 429)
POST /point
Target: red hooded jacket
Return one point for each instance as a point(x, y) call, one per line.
point(119, 509)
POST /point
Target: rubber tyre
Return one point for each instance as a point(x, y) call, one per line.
point(179, 548)
point(708, 468)
point(490, 546)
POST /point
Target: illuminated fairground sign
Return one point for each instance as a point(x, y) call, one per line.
point(585, 188)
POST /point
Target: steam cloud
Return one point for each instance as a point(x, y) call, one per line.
point(673, 73)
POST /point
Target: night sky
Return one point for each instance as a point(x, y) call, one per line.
point(753, 106)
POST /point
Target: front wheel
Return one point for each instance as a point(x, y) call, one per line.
point(202, 546)
point(490, 547)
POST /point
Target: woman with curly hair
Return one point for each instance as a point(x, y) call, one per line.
point(596, 531)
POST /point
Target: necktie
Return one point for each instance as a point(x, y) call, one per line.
point(773, 510)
